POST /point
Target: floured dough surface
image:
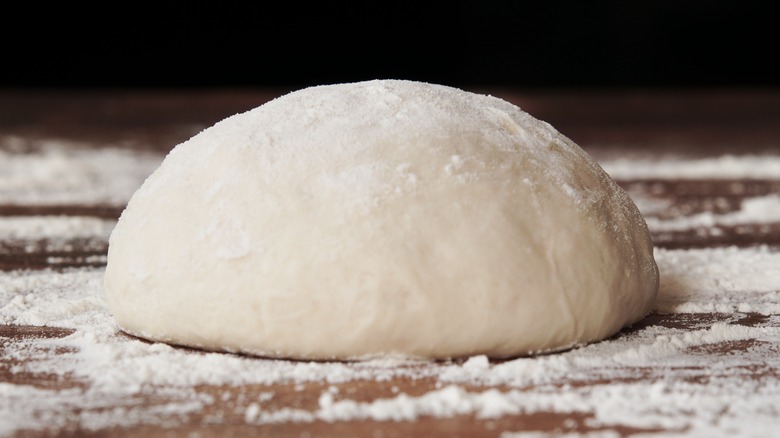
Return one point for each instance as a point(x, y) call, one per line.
point(377, 218)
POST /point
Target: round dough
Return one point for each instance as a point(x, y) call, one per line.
point(380, 218)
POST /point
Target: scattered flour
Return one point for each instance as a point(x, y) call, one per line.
point(754, 210)
point(57, 172)
point(54, 227)
point(718, 167)
point(719, 280)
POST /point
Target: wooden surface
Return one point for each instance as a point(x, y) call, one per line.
point(632, 124)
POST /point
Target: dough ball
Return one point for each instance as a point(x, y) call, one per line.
point(380, 218)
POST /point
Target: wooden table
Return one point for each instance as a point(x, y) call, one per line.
point(701, 164)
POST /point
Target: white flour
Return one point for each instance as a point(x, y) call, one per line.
point(649, 378)
point(719, 167)
point(753, 210)
point(54, 227)
point(56, 172)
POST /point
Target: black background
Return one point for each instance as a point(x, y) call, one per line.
point(488, 43)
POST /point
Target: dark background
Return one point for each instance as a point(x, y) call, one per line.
point(468, 44)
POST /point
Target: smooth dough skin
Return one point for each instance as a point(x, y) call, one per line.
point(380, 218)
